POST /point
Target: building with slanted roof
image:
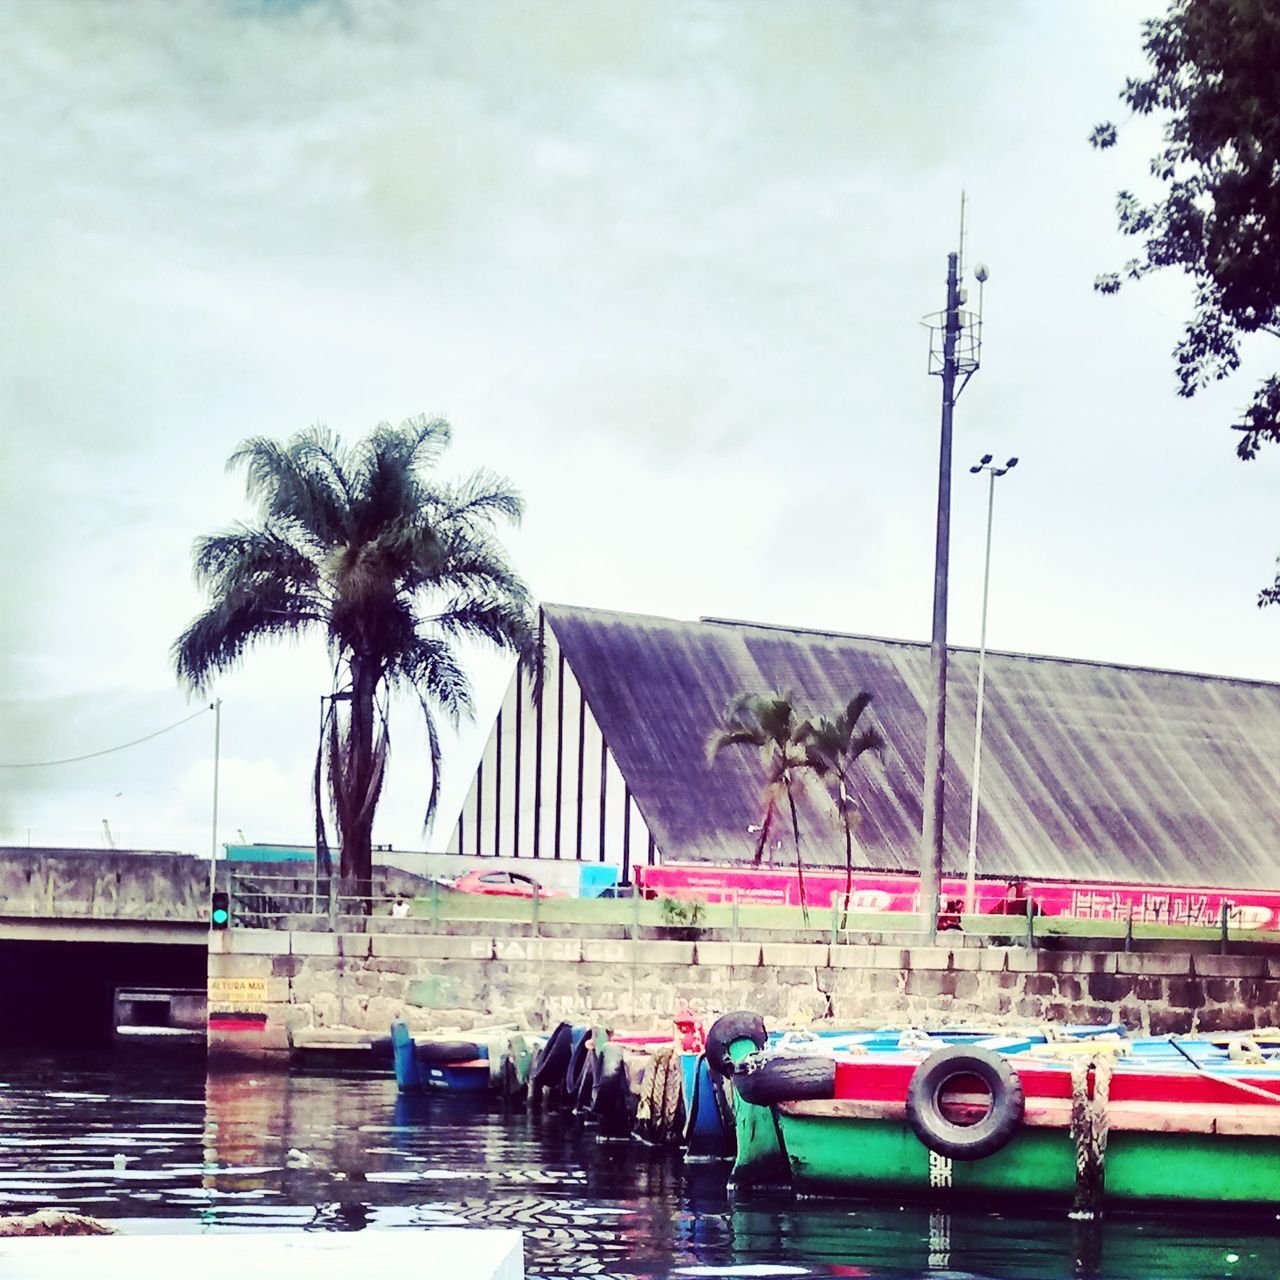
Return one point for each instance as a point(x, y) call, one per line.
point(1090, 771)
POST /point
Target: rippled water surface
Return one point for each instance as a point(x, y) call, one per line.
point(157, 1147)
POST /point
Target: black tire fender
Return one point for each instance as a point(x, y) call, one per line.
point(765, 1080)
point(965, 1142)
point(608, 1081)
point(439, 1052)
point(728, 1028)
point(554, 1058)
point(586, 1085)
point(578, 1067)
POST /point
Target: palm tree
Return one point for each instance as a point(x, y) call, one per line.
point(769, 722)
point(832, 747)
point(394, 567)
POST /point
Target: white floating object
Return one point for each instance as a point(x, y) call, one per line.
point(267, 1255)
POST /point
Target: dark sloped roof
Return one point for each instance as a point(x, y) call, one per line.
point(1089, 771)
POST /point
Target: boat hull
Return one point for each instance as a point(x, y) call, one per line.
point(830, 1155)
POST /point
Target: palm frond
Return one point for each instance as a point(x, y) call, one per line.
point(451, 558)
point(247, 554)
point(219, 637)
point(853, 712)
point(387, 482)
point(433, 742)
point(732, 737)
point(430, 668)
point(287, 486)
point(483, 495)
point(500, 622)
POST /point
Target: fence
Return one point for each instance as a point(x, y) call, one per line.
point(302, 903)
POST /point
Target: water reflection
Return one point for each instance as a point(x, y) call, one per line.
point(157, 1147)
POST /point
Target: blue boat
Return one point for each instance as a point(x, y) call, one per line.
point(436, 1062)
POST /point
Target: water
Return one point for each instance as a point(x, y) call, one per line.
point(155, 1147)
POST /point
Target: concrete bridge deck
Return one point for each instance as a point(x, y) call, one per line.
point(102, 895)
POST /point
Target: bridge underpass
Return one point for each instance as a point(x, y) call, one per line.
point(77, 924)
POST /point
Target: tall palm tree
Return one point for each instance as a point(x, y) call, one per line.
point(770, 723)
point(833, 746)
point(393, 567)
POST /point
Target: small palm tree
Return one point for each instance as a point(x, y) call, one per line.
point(770, 723)
point(393, 567)
point(833, 747)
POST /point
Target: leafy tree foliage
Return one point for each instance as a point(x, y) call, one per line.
point(361, 544)
point(1214, 80)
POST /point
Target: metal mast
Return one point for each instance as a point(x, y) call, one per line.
point(955, 362)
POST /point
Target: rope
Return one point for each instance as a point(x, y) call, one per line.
point(658, 1110)
point(1090, 1126)
point(106, 751)
point(1235, 1084)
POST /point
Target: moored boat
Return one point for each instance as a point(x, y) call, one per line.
point(489, 1060)
point(1085, 1118)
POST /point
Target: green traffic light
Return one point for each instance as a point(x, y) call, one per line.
point(220, 915)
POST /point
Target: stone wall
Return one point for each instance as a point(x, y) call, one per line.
point(315, 981)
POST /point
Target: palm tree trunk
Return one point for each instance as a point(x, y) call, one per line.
point(355, 815)
point(848, 863)
point(765, 824)
point(795, 831)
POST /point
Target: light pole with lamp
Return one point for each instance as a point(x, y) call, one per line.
point(993, 473)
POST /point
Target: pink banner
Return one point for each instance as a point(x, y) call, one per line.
point(885, 891)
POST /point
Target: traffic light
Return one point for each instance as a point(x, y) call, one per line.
point(219, 910)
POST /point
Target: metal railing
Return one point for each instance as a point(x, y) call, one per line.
point(303, 903)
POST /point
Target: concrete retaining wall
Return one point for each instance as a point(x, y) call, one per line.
point(106, 884)
point(313, 980)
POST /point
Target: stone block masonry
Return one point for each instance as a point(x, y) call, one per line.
point(364, 980)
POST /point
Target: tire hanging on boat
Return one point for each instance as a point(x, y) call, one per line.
point(554, 1058)
point(728, 1028)
point(609, 1093)
point(578, 1067)
point(441, 1052)
point(992, 1131)
point(764, 1081)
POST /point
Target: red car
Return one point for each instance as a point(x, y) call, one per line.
point(504, 884)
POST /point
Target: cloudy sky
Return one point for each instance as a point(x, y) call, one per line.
point(662, 264)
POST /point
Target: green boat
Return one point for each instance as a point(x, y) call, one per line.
point(1084, 1122)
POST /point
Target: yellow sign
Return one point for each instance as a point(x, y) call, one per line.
point(238, 991)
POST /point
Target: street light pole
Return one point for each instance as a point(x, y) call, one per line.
point(993, 474)
point(217, 760)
